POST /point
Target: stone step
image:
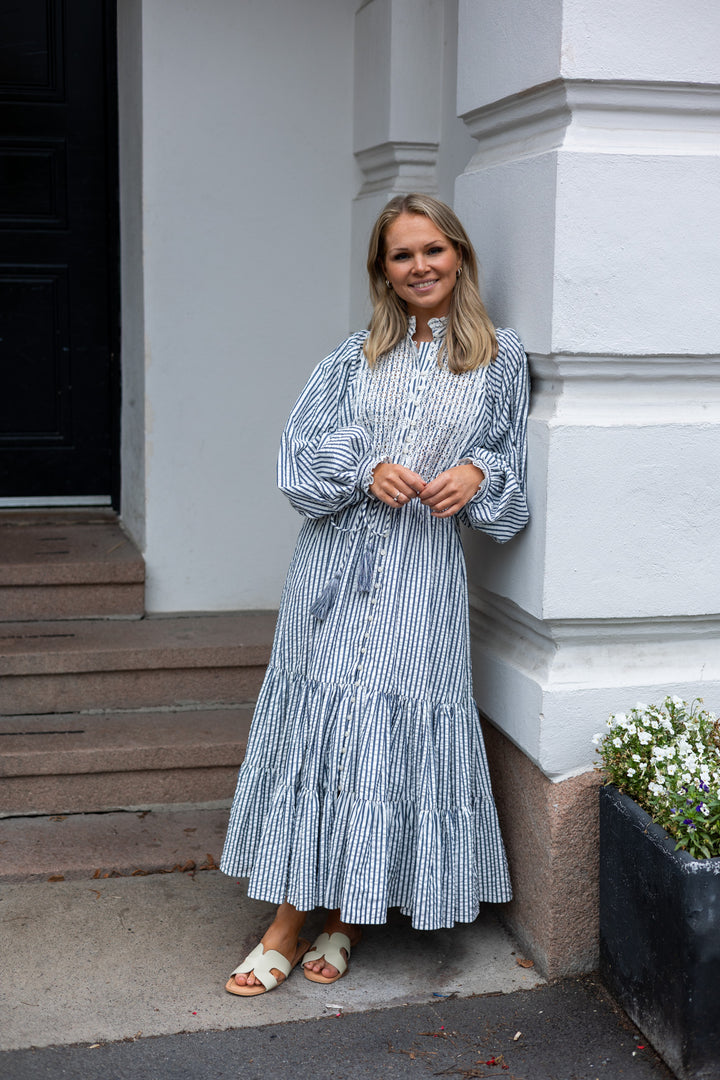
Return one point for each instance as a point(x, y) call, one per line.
point(95, 847)
point(72, 666)
point(68, 564)
point(69, 763)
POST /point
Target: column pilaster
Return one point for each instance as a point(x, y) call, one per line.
point(592, 199)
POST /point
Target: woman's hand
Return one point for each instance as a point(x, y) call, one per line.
point(452, 489)
point(395, 485)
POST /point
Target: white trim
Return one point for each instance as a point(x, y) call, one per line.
point(613, 390)
point(556, 652)
point(549, 685)
point(610, 117)
point(399, 167)
point(22, 502)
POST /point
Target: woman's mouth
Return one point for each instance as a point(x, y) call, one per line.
point(421, 286)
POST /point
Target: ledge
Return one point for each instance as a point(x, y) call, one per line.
point(613, 116)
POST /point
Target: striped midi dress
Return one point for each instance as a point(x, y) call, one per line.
point(365, 783)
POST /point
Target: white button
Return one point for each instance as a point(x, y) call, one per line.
point(382, 552)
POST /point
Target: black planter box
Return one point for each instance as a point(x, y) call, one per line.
point(660, 937)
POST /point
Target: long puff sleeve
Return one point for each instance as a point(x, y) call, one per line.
point(323, 460)
point(500, 506)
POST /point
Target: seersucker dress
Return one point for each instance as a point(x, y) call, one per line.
point(365, 783)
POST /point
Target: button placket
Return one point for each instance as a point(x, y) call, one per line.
point(349, 719)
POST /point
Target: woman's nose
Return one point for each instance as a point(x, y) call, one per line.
point(419, 263)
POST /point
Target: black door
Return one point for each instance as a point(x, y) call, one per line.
point(59, 278)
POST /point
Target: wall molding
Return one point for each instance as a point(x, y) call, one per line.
point(549, 685)
point(399, 167)
point(598, 116)
point(591, 653)
point(622, 389)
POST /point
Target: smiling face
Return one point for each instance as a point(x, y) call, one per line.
point(421, 265)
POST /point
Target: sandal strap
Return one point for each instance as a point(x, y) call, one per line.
point(328, 946)
point(260, 962)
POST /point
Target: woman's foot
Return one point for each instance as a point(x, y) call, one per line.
point(334, 925)
point(282, 935)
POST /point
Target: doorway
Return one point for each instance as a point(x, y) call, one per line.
point(59, 253)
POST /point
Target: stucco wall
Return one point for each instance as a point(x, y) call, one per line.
point(247, 168)
point(593, 198)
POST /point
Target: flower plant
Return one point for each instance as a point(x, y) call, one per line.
point(667, 758)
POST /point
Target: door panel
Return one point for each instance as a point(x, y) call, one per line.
point(58, 248)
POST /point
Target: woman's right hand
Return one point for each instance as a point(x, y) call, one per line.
point(395, 485)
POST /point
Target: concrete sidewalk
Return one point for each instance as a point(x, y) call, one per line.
point(118, 970)
point(102, 960)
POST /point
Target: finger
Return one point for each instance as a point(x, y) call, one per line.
point(433, 500)
point(441, 485)
point(412, 479)
point(399, 489)
point(394, 496)
point(400, 498)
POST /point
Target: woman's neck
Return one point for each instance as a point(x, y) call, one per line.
point(422, 329)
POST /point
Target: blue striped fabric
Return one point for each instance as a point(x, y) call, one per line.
point(365, 784)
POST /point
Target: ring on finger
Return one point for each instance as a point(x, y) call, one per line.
point(396, 496)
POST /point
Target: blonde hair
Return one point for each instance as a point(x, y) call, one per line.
point(470, 340)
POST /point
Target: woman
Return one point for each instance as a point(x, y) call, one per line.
point(365, 783)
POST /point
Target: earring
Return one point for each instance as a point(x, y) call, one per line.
point(387, 283)
point(458, 271)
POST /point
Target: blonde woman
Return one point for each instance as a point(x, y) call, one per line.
point(365, 783)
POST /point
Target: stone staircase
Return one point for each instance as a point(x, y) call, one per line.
point(101, 707)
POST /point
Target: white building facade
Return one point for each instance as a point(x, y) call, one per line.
point(579, 141)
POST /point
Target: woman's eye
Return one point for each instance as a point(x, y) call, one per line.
point(435, 250)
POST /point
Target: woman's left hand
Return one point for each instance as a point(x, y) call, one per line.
point(452, 489)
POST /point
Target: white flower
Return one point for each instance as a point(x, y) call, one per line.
point(656, 788)
point(631, 772)
point(654, 725)
point(640, 706)
point(636, 757)
point(645, 737)
point(620, 719)
point(672, 769)
point(617, 742)
point(677, 702)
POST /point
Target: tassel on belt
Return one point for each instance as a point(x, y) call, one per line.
point(322, 606)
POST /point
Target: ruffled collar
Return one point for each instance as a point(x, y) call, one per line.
point(438, 326)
